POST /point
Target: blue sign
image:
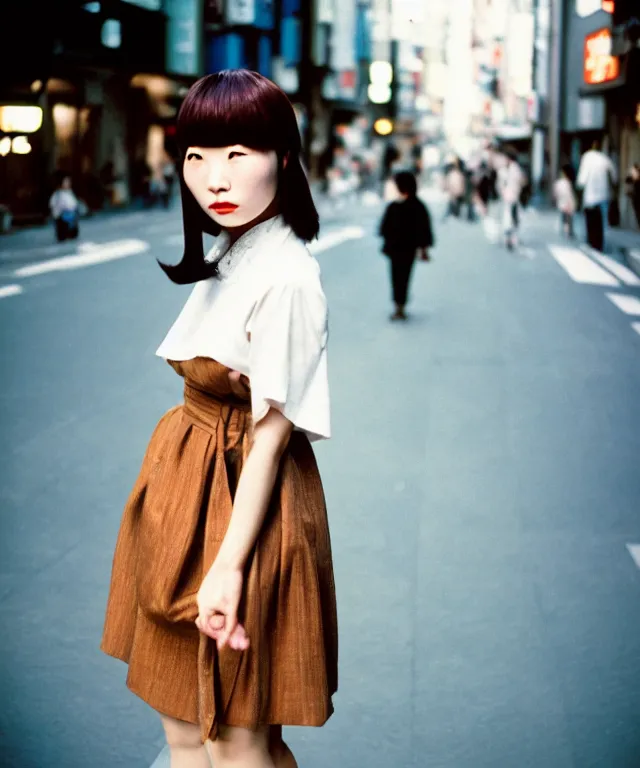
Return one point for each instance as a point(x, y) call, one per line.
point(184, 33)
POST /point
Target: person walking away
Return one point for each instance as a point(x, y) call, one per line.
point(455, 187)
point(405, 228)
point(64, 208)
point(565, 199)
point(596, 175)
point(511, 181)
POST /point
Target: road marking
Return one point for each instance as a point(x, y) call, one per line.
point(619, 270)
point(630, 305)
point(154, 229)
point(336, 238)
point(163, 760)
point(87, 256)
point(10, 290)
point(580, 267)
point(524, 250)
point(636, 327)
point(634, 551)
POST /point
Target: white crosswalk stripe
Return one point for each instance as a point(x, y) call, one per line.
point(630, 305)
point(10, 290)
point(336, 238)
point(623, 273)
point(580, 267)
point(88, 254)
point(634, 551)
point(636, 327)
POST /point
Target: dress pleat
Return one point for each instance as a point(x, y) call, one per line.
point(172, 528)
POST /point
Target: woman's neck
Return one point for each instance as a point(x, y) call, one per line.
point(273, 209)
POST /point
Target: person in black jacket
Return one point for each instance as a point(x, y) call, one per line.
point(406, 228)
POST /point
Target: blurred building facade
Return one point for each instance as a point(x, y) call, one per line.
point(106, 100)
point(108, 103)
point(600, 98)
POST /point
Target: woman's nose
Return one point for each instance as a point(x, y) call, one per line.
point(218, 181)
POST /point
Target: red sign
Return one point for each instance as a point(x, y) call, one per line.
point(599, 65)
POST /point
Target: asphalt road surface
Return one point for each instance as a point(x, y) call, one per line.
point(483, 485)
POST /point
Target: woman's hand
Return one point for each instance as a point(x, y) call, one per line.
point(218, 601)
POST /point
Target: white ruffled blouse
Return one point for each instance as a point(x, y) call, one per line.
point(265, 316)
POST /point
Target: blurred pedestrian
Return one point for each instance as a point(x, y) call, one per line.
point(169, 176)
point(511, 181)
point(416, 157)
point(158, 186)
point(565, 199)
point(390, 157)
point(455, 186)
point(406, 229)
point(482, 188)
point(596, 177)
point(65, 210)
point(633, 189)
point(222, 596)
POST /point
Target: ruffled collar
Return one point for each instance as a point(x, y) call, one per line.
point(228, 258)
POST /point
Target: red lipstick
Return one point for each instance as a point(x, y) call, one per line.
point(223, 208)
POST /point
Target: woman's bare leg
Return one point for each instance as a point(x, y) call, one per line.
point(280, 753)
point(242, 748)
point(187, 751)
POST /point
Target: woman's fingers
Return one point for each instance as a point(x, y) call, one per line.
point(216, 622)
point(239, 640)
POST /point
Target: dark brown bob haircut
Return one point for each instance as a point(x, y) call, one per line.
point(239, 107)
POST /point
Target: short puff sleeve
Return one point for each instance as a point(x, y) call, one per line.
point(288, 356)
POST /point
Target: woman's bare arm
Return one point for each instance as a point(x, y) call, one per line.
point(271, 437)
point(221, 589)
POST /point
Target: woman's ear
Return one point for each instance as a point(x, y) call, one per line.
point(285, 161)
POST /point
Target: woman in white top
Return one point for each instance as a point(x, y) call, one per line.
point(222, 594)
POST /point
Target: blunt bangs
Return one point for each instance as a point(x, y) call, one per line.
point(238, 107)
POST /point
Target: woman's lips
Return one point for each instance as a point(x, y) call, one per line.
point(223, 208)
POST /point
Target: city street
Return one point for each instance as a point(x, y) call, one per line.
point(483, 488)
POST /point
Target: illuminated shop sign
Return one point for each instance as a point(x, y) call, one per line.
point(587, 7)
point(599, 65)
point(20, 119)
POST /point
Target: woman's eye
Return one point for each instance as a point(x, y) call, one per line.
point(239, 154)
point(194, 156)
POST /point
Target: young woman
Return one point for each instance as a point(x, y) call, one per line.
point(405, 227)
point(222, 594)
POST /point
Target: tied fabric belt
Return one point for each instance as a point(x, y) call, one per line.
point(169, 580)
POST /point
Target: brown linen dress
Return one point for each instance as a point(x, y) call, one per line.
point(172, 527)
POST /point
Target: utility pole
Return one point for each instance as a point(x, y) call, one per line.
point(555, 95)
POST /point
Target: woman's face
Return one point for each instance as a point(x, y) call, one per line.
point(233, 185)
